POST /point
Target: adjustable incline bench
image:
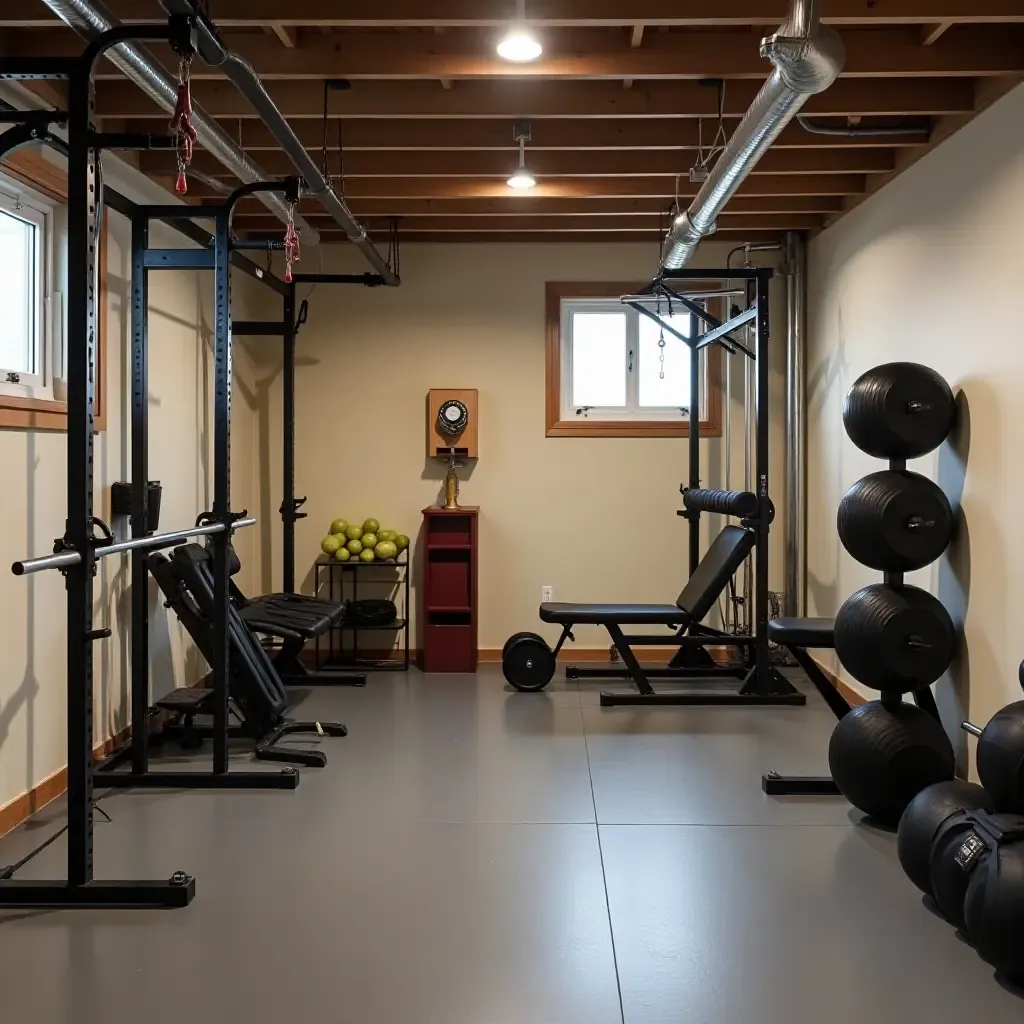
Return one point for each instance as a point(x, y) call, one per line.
point(293, 619)
point(761, 683)
point(256, 690)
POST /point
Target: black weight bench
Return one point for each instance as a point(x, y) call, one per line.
point(292, 620)
point(761, 684)
point(798, 636)
point(258, 696)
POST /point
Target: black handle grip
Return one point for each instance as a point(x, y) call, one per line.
point(726, 503)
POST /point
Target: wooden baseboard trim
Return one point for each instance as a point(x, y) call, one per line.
point(21, 808)
point(850, 695)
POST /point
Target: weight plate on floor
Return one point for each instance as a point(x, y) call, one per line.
point(519, 636)
point(528, 663)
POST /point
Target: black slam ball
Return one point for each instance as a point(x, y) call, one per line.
point(923, 818)
point(882, 756)
point(1001, 758)
point(953, 857)
point(994, 903)
point(899, 411)
point(896, 639)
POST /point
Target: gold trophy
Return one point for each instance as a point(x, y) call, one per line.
point(451, 482)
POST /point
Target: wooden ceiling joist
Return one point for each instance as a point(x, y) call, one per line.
point(519, 99)
point(575, 188)
point(616, 164)
point(547, 13)
point(547, 134)
point(977, 51)
point(514, 206)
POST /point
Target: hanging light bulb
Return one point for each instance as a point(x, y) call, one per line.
point(519, 45)
point(521, 177)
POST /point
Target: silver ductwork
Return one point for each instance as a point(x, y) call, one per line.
point(808, 57)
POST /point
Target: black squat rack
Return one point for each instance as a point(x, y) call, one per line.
point(76, 553)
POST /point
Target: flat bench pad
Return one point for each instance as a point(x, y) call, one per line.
point(563, 614)
point(802, 632)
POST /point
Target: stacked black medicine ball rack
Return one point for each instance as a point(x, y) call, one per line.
point(891, 636)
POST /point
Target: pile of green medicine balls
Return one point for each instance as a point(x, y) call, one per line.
point(368, 543)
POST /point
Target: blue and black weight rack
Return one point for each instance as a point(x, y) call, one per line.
point(77, 553)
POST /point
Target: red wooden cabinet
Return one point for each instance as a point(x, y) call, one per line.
point(448, 590)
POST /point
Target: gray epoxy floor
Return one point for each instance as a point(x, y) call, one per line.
point(476, 856)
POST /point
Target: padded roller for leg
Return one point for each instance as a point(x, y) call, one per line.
point(726, 503)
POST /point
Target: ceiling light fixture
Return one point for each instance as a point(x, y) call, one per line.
point(521, 177)
point(519, 45)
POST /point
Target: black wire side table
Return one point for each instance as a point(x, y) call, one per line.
point(343, 581)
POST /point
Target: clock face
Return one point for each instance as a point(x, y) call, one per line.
point(452, 417)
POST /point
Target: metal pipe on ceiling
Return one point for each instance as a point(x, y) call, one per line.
point(248, 83)
point(859, 131)
point(795, 515)
point(89, 18)
point(808, 57)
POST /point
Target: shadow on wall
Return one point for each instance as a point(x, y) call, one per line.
point(25, 694)
point(821, 384)
point(953, 690)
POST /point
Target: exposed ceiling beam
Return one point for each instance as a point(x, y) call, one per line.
point(589, 54)
point(518, 206)
point(453, 13)
point(931, 34)
point(287, 34)
point(581, 188)
point(512, 99)
point(547, 134)
point(503, 225)
point(619, 163)
point(646, 237)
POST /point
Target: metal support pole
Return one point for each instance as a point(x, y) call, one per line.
point(221, 486)
point(749, 420)
point(694, 515)
point(762, 399)
point(140, 493)
point(81, 339)
point(795, 510)
point(288, 454)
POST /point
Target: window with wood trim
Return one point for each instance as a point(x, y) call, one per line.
point(612, 372)
point(33, 288)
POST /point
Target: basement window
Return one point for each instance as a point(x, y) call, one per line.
point(31, 327)
point(615, 378)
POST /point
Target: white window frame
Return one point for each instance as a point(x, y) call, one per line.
point(632, 412)
point(27, 204)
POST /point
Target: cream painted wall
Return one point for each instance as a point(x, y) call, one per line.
point(32, 628)
point(594, 518)
point(919, 272)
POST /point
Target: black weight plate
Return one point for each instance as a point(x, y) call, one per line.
point(528, 664)
point(518, 636)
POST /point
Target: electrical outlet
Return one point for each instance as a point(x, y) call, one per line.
point(547, 594)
